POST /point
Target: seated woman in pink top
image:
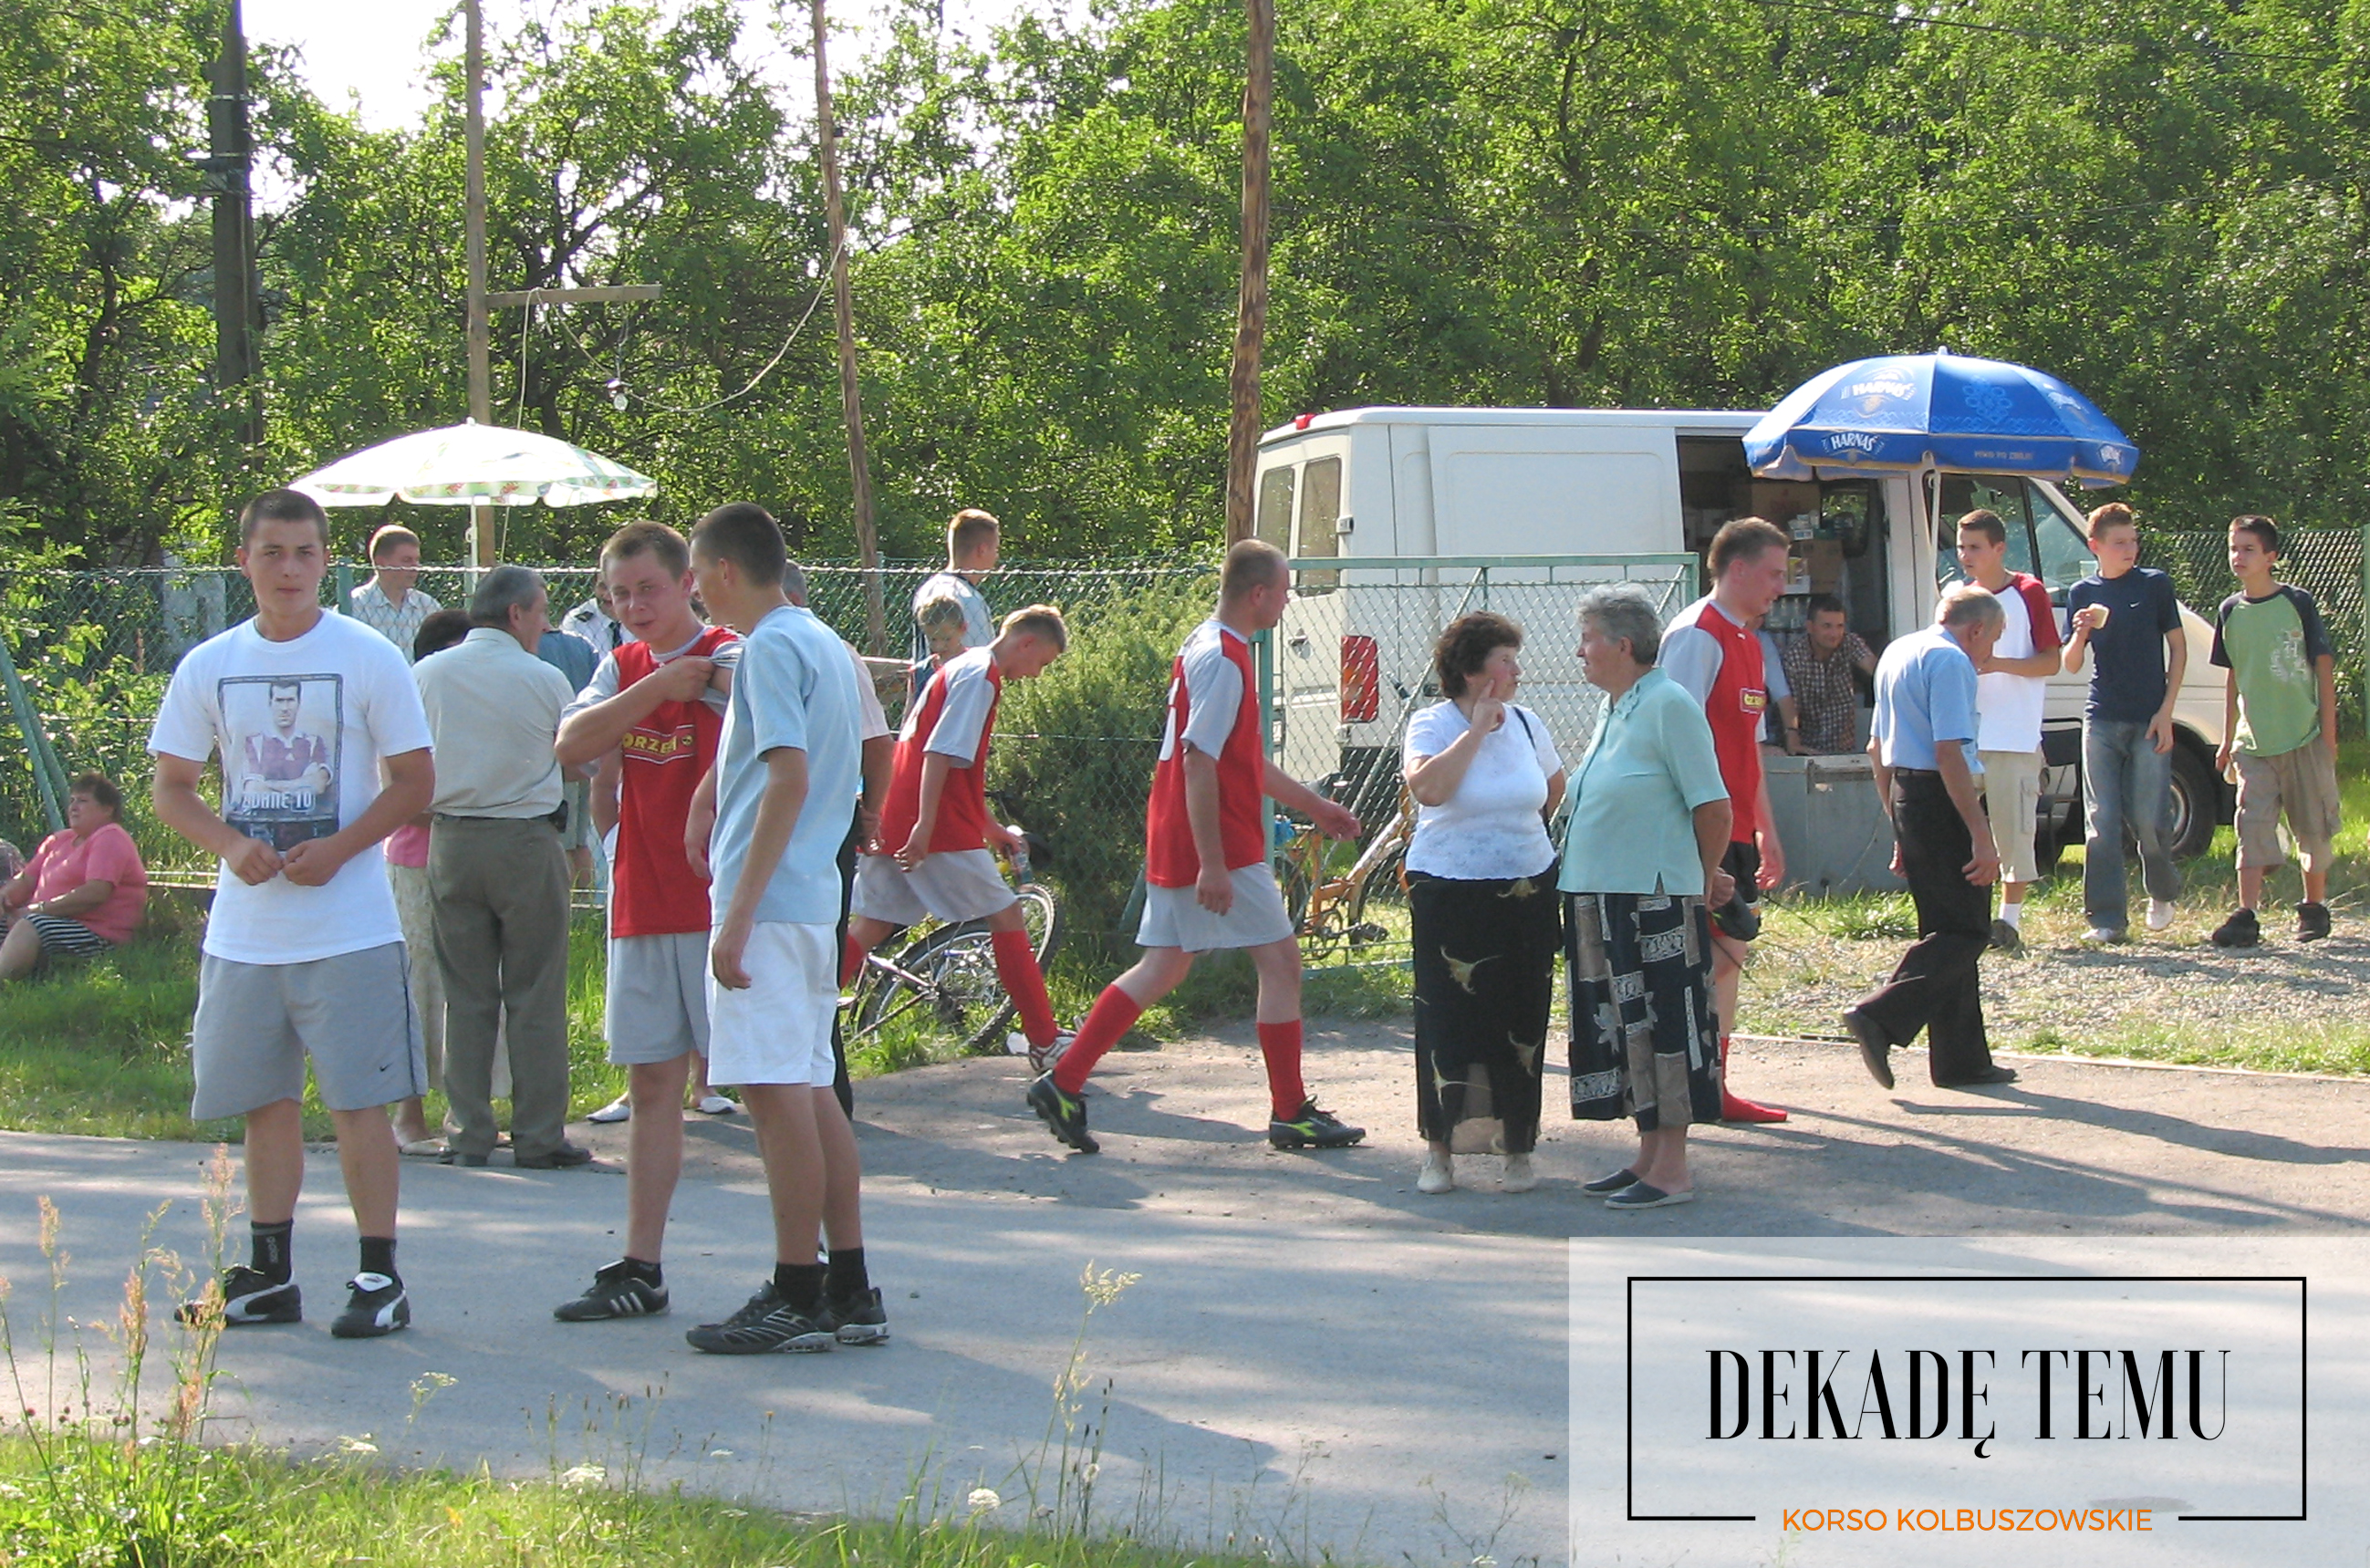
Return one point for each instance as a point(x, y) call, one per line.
point(83, 892)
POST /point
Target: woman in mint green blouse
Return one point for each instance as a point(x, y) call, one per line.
point(1650, 822)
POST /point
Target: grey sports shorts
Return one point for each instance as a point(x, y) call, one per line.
point(257, 1023)
point(657, 997)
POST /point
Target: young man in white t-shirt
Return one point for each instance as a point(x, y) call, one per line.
point(304, 953)
point(974, 540)
point(2011, 688)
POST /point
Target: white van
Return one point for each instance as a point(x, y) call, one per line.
point(1419, 485)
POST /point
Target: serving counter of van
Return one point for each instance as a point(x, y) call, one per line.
point(1370, 486)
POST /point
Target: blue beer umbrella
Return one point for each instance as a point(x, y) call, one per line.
point(1910, 412)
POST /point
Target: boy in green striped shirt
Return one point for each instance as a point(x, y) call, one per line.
point(2279, 723)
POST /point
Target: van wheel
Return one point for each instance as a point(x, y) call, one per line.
point(2196, 803)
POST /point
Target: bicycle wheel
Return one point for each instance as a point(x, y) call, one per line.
point(960, 996)
point(1380, 887)
point(1041, 912)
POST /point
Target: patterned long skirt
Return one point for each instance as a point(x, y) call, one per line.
point(1485, 955)
point(1644, 1040)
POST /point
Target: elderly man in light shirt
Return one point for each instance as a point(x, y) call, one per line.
point(1929, 777)
point(498, 874)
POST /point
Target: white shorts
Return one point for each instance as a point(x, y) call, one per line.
point(779, 1030)
point(955, 885)
point(1174, 918)
point(657, 997)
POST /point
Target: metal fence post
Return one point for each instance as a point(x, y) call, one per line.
point(46, 774)
point(345, 588)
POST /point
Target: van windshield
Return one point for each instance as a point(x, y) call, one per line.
point(2042, 539)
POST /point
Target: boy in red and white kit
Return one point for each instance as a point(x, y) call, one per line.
point(932, 858)
point(1710, 649)
point(1209, 886)
point(657, 702)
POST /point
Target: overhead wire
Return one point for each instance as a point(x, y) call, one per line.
point(622, 389)
point(1909, 15)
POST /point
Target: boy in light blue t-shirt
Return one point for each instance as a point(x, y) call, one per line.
point(783, 793)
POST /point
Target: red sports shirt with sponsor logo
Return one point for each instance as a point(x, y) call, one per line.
point(652, 891)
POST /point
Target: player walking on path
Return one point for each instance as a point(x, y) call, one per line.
point(304, 955)
point(657, 702)
point(932, 858)
point(1710, 649)
point(1205, 864)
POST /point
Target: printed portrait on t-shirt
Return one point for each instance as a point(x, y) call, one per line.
point(279, 770)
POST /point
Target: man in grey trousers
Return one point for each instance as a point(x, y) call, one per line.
point(499, 874)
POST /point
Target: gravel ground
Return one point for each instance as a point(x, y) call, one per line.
point(2170, 991)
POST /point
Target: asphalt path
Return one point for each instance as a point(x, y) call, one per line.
point(1312, 1359)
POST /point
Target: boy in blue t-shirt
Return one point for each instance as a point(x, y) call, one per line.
point(2129, 614)
point(780, 797)
point(2280, 725)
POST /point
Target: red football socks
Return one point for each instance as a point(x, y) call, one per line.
point(1113, 1015)
point(851, 963)
point(1732, 1109)
point(1280, 1043)
point(1016, 965)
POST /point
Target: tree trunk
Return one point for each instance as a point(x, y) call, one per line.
point(851, 400)
point(1250, 307)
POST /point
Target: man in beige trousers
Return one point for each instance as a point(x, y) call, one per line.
point(499, 874)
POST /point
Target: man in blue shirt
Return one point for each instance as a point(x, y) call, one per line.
point(1923, 743)
point(782, 794)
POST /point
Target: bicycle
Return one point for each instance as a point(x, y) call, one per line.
point(946, 975)
point(1327, 911)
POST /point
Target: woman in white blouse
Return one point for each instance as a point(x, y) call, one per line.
point(1481, 890)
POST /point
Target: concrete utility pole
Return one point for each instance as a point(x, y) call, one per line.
point(239, 312)
point(481, 518)
point(1250, 306)
point(851, 400)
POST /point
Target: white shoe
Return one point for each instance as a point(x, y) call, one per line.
point(2103, 936)
point(2160, 915)
point(617, 1110)
point(717, 1105)
point(1519, 1176)
point(1041, 1057)
point(1438, 1175)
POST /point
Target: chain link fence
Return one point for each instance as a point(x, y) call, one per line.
point(1074, 752)
point(1353, 662)
point(2327, 563)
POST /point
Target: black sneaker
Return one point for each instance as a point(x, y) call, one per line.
point(616, 1291)
point(2312, 922)
point(1065, 1114)
point(859, 1319)
point(765, 1324)
point(1313, 1128)
point(249, 1297)
point(377, 1306)
point(2241, 929)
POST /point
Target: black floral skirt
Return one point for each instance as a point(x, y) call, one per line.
point(1485, 955)
point(1644, 1040)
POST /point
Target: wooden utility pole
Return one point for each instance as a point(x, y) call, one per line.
point(1250, 304)
point(229, 158)
point(851, 400)
point(481, 518)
